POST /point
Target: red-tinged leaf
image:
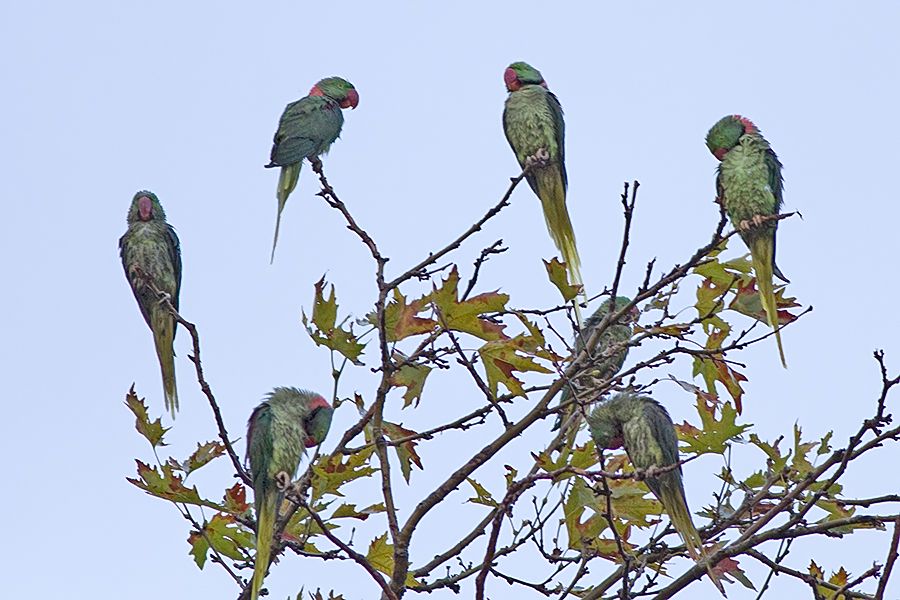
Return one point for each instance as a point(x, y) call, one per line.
point(729, 566)
point(465, 316)
point(325, 330)
point(153, 431)
point(401, 319)
point(559, 277)
point(503, 358)
point(731, 379)
point(167, 485)
point(406, 451)
point(412, 377)
point(235, 501)
point(677, 330)
point(747, 302)
point(204, 454)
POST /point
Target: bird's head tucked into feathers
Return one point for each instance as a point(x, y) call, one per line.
point(317, 421)
point(606, 430)
point(145, 206)
point(338, 89)
point(726, 134)
point(521, 73)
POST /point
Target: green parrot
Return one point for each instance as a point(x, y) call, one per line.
point(645, 428)
point(307, 129)
point(151, 246)
point(601, 365)
point(750, 184)
point(534, 127)
point(280, 428)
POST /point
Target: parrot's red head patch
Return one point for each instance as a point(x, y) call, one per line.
point(749, 127)
point(315, 91)
point(145, 208)
point(511, 80)
point(720, 153)
point(352, 99)
point(317, 402)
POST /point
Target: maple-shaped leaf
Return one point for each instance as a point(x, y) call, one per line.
point(224, 535)
point(204, 454)
point(482, 496)
point(715, 369)
point(412, 377)
point(381, 556)
point(330, 473)
point(466, 316)
point(503, 358)
point(747, 302)
point(326, 331)
point(235, 500)
point(776, 461)
point(559, 277)
point(302, 527)
point(167, 485)
point(715, 433)
point(729, 566)
point(350, 511)
point(406, 451)
point(800, 464)
point(153, 431)
point(401, 319)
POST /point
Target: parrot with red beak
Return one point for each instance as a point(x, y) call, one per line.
point(279, 431)
point(307, 129)
point(151, 254)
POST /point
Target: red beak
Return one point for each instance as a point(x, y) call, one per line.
point(352, 100)
point(720, 153)
point(310, 442)
point(145, 208)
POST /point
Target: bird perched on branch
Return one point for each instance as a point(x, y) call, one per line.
point(749, 184)
point(646, 430)
point(534, 127)
point(307, 129)
point(151, 256)
point(604, 360)
point(280, 428)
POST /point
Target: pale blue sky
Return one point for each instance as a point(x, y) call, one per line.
point(104, 98)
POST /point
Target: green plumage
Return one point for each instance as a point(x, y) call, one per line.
point(151, 247)
point(750, 184)
point(606, 358)
point(646, 430)
point(533, 121)
point(307, 129)
point(279, 430)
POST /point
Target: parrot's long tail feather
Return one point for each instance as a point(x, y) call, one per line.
point(287, 181)
point(761, 251)
point(676, 505)
point(552, 193)
point(163, 326)
point(265, 525)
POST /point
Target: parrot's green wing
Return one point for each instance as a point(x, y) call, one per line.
point(260, 449)
point(559, 124)
point(175, 256)
point(307, 128)
point(776, 184)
